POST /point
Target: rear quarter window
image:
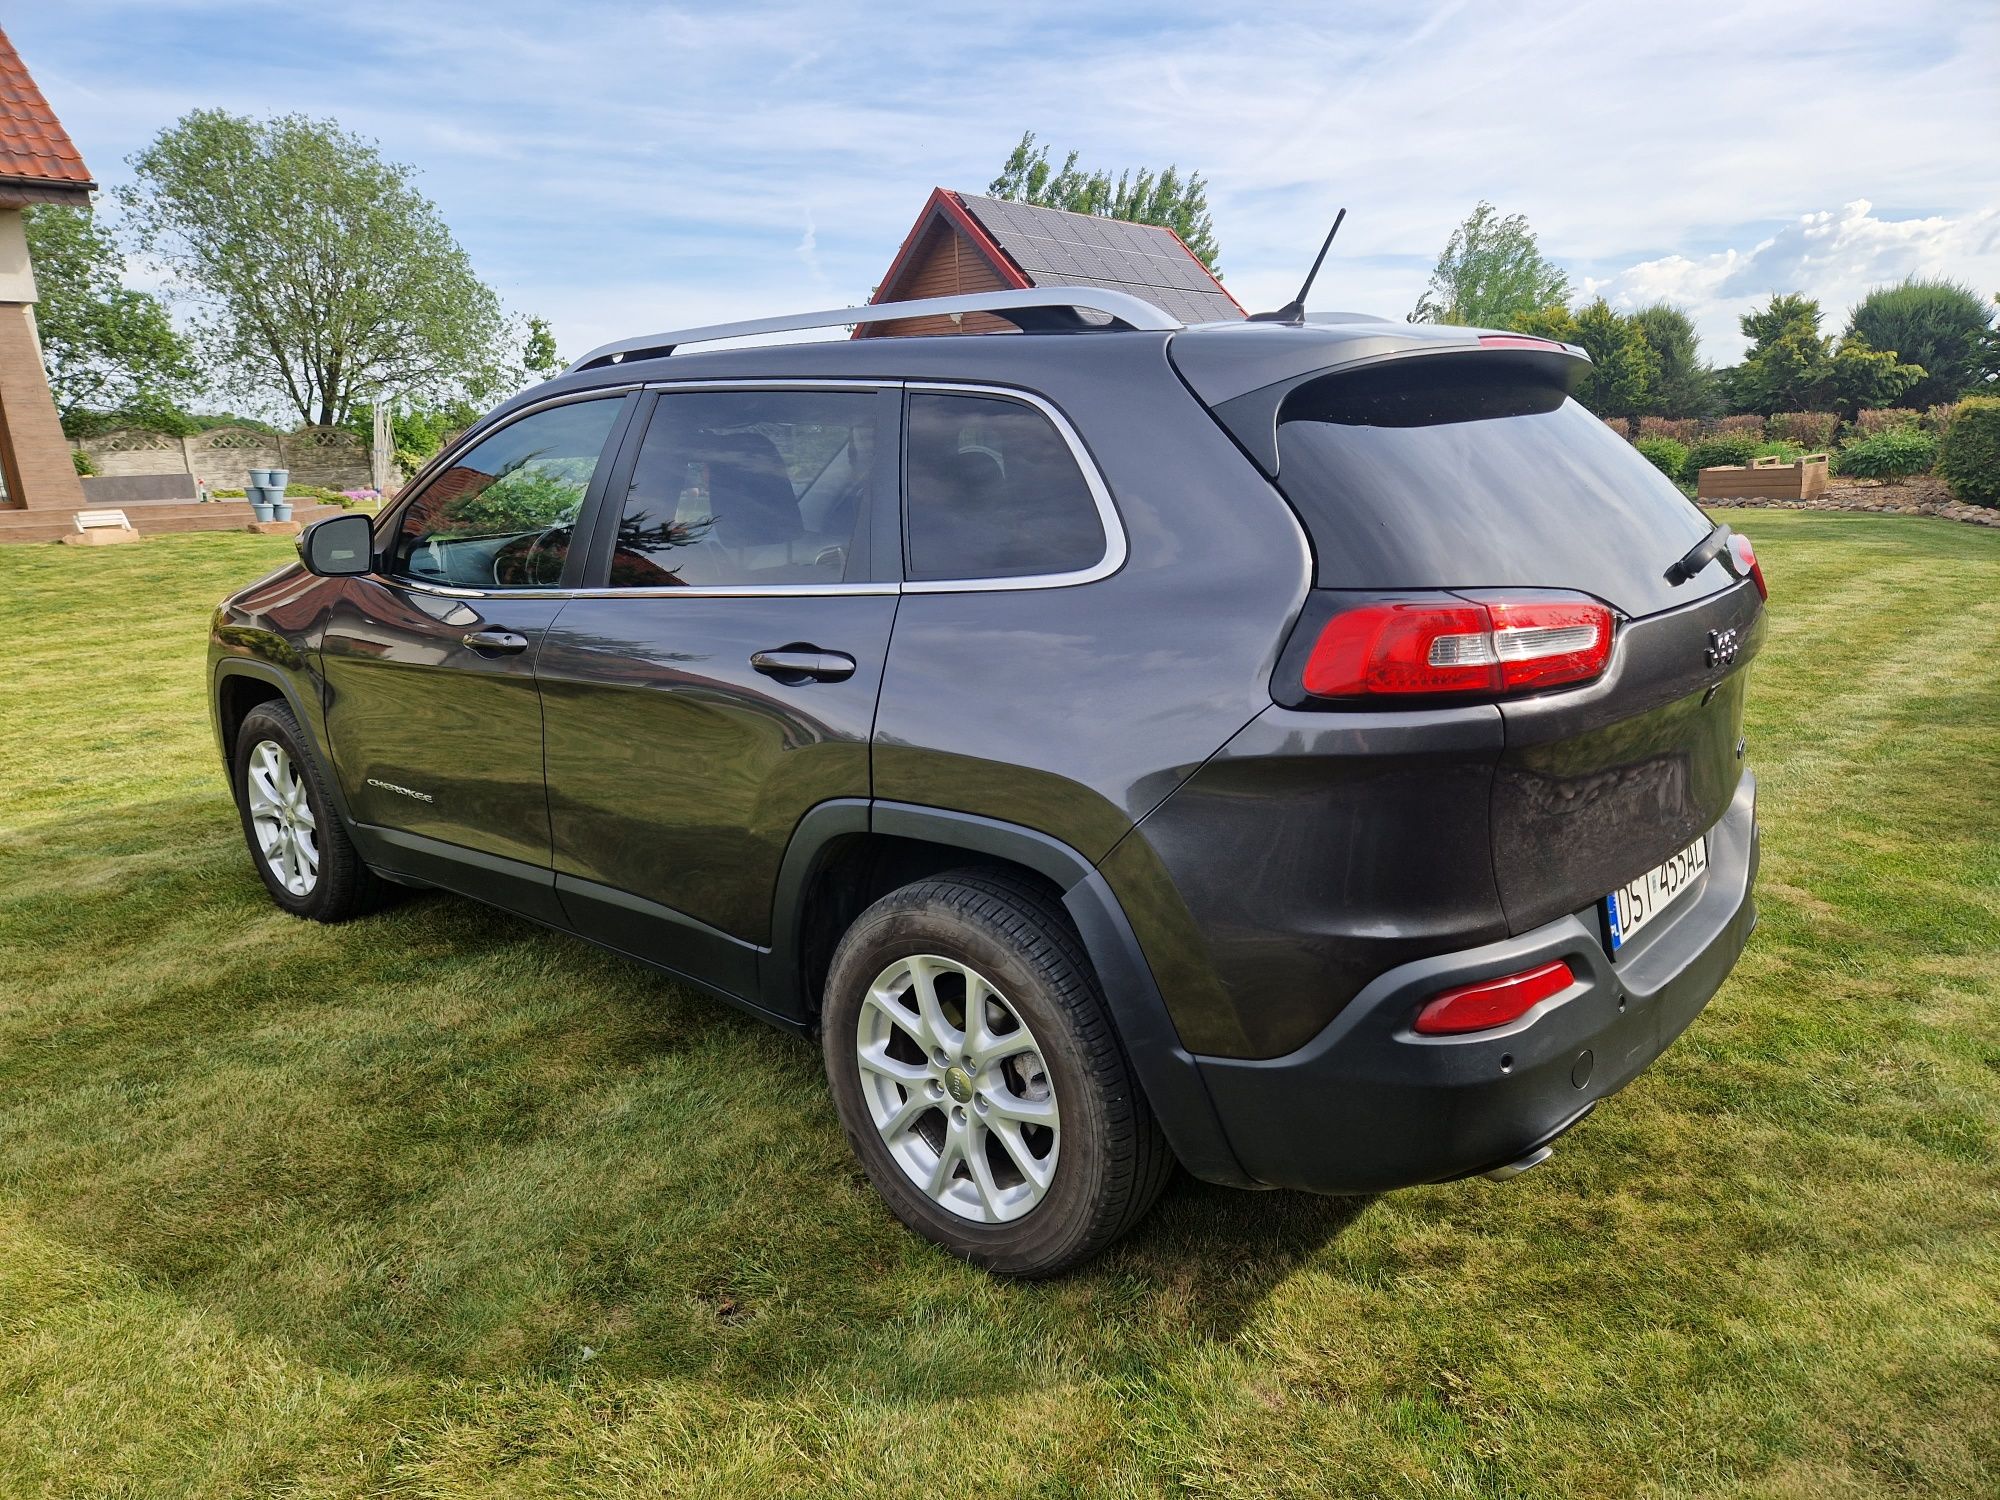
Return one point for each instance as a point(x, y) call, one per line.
point(1458, 472)
point(991, 490)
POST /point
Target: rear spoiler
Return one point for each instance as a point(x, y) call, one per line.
point(1244, 372)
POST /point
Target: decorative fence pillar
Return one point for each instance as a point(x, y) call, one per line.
point(382, 453)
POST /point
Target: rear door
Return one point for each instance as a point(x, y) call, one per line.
point(717, 678)
point(432, 708)
point(1475, 471)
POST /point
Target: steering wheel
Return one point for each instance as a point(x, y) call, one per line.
point(521, 563)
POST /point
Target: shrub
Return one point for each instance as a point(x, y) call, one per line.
point(1748, 422)
point(1968, 458)
point(84, 467)
point(1664, 454)
point(1812, 429)
point(1714, 452)
point(1895, 454)
point(1682, 430)
point(1885, 419)
point(1938, 418)
point(1780, 448)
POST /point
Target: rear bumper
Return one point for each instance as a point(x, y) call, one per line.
point(1369, 1105)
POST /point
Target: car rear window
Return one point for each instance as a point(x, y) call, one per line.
point(1461, 472)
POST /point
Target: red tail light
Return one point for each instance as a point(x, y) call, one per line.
point(1744, 557)
point(1494, 1002)
point(1450, 643)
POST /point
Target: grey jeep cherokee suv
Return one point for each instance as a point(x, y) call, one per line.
point(1311, 753)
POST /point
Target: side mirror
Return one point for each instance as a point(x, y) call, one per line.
point(339, 546)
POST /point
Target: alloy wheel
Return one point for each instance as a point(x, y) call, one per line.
point(956, 1083)
point(282, 818)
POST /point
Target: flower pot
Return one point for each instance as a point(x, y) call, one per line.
point(281, 510)
point(259, 477)
point(263, 509)
point(279, 479)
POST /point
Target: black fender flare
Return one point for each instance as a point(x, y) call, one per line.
point(1166, 1070)
point(308, 719)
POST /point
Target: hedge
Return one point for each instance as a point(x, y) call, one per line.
point(1886, 419)
point(1809, 429)
point(1716, 452)
point(1664, 454)
point(1969, 456)
point(1894, 454)
point(1683, 430)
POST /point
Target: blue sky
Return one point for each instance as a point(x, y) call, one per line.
point(619, 167)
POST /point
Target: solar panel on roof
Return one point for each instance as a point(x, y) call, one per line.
point(1052, 246)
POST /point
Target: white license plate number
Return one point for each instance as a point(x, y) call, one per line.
point(1629, 908)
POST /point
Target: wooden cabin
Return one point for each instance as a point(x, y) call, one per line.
point(963, 242)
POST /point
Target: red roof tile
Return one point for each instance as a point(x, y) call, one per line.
point(33, 145)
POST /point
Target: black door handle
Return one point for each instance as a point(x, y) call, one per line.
point(496, 642)
point(800, 663)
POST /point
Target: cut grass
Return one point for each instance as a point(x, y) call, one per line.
point(443, 1204)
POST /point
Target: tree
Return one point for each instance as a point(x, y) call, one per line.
point(1492, 271)
point(1619, 382)
point(1682, 385)
point(1941, 325)
point(107, 348)
point(319, 275)
point(1791, 366)
point(1623, 366)
point(1139, 196)
point(538, 355)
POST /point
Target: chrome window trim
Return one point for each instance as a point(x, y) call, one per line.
point(777, 383)
point(703, 591)
point(1115, 548)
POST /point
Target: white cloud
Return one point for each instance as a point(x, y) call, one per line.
point(655, 164)
point(1833, 255)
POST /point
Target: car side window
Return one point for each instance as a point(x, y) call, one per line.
point(993, 491)
point(501, 516)
point(747, 488)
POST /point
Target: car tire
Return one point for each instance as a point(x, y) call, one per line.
point(1022, 1143)
point(297, 842)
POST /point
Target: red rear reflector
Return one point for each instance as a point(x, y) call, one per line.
point(1745, 557)
point(1498, 643)
point(1493, 1002)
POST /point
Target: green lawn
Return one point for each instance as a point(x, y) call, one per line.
point(443, 1204)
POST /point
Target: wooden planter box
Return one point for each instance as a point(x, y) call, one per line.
point(1765, 479)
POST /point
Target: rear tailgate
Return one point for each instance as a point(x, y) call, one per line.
point(1472, 470)
point(1599, 784)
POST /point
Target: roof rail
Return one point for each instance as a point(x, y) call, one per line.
point(1035, 310)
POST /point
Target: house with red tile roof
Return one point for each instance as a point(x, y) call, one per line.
point(963, 242)
point(38, 164)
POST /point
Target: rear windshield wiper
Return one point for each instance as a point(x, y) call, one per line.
point(1700, 555)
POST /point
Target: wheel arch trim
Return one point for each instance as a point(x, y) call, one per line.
point(309, 721)
point(1167, 1072)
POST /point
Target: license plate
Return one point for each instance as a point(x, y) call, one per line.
point(1633, 905)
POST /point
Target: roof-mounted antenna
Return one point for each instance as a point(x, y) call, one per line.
point(1294, 311)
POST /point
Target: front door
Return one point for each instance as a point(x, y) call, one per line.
point(720, 680)
point(432, 708)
